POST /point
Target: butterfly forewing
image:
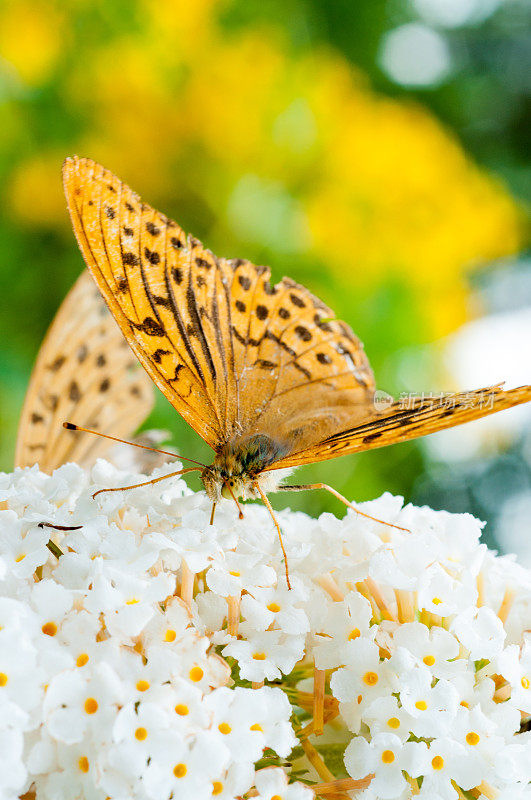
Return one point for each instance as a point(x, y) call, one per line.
point(83, 372)
point(143, 285)
point(232, 353)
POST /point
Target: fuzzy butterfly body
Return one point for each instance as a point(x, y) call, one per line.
point(263, 373)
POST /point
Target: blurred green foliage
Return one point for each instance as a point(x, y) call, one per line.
point(267, 129)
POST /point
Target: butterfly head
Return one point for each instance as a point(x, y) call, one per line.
point(239, 465)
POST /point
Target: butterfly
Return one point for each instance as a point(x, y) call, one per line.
point(264, 373)
point(84, 368)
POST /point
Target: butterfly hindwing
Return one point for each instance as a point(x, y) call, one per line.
point(83, 372)
point(403, 421)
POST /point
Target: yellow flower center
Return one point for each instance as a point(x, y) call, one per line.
point(180, 770)
point(224, 727)
point(274, 607)
point(132, 601)
point(195, 674)
point(429, 660)
point(276, 797)
point(464, 704)
point(83, 764)
point(472, 738)
point(354, 633)
point(170, 635)
point(388, 756)
point(81, 660)
point(393, 722)
point(141, 734)
point(49, 628)
point(421, 705)
point(91, 705)
point(525, 682)
point(234, 573)
point(437, 762)
point(259, 656)
point(19, 558)
point(181, 709)
point(142, 686)
point(3, 679)
point(436, 601)
point(370, 678)
point(256, 727)
point(217, 787)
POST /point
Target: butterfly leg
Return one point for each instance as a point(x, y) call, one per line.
point(277, 526)
point(212, 513)
point(304, 486)
point(146, 483)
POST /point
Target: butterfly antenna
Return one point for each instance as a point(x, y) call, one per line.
point(146, 483)
point(277, 526)
point(71, 427)
point(240, 512)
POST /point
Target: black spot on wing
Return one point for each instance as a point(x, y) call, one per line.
point(151, 255)
point(74, 392)
point(149, 326)
point(157, 355)
point(152, 229)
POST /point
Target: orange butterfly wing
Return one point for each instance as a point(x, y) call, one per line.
point(84, 371)
point(398, 423)
point(233, 354)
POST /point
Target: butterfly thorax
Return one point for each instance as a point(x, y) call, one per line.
point(240, 464)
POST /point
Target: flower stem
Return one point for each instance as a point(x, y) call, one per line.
point(318, 700)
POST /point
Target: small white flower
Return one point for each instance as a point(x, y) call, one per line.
point(477, 733)
point(139, 732)
point(276, 606)
point(183, 770)
point(441, 763)
point(516, 668)
point(79, 700)
point(23, 546)
point(272, 783)
point(382, 756)
point(337, 637)
point(444, 595)
point(480, 631)
point(265, 655)
point(235, 572)
point(365, 678)
point(433, 708)
point(385, 715)
point(436, 648)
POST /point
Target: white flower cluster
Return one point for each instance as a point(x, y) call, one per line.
point(400, 658)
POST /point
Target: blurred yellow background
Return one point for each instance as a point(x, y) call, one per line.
point(292, 134)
